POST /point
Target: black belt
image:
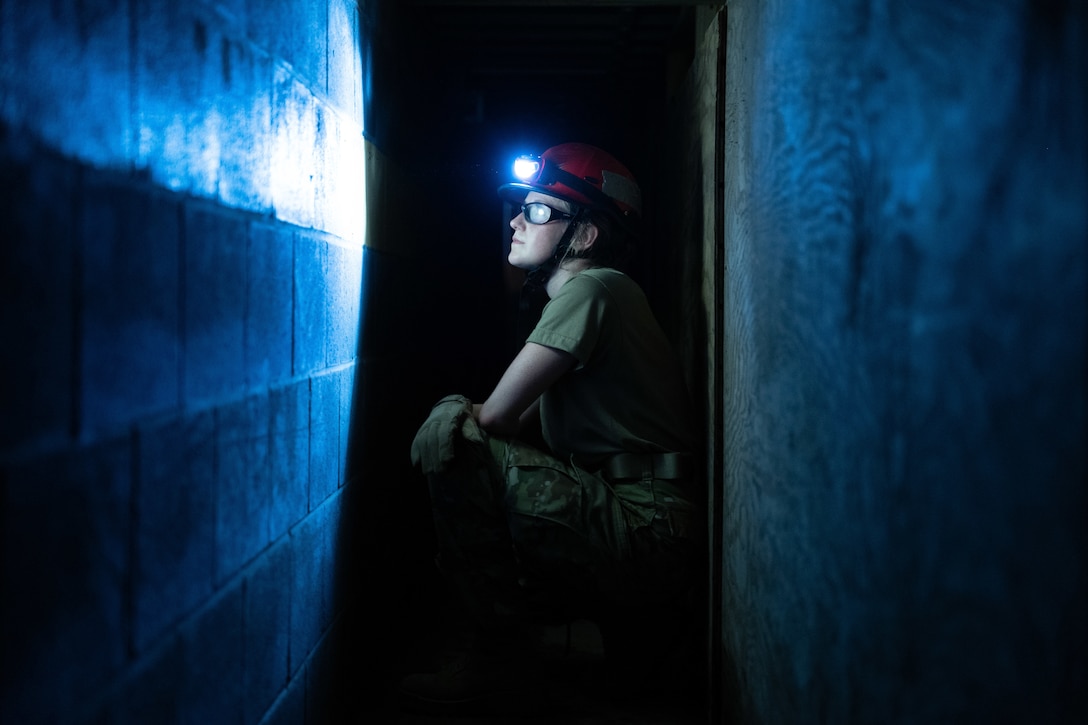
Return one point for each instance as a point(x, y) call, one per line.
point(637, 466)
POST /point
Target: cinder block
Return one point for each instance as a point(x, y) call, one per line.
point(244, 135)
point(267, 629)
point(65, 529)
point(290, 707)
point(203, 100)
point(268, 304)
point(37, 286)
point(350, 186)
point(175, 523)
point(345, 59)
point(215, 299)
point(347, 404)
point(289, 457)
point(179, 81)
point(345, 265)
point(325, 457)
point(294, 149)
point(361, 534)
point(154, 692)
point(310, 303)
point(129, 302)
point(313, 564)
point(214, 653)
point(324, 681)
point(242, 488)
point(294, 31)
point(340, 182)
point(235, 11)
point(66, 76)
point(326, 136)
point(196, 676)
point(373, 52)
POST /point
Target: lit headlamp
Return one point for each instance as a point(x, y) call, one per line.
point(526, 167)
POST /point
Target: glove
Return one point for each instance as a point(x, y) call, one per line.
point(471, 431)
point(432, 447)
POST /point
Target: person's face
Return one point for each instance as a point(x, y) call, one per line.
point(533, 244)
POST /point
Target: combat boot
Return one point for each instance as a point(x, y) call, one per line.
point(496, 675)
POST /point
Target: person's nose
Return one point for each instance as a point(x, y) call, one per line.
point(518, 221)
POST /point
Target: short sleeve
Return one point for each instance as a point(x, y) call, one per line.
point(573, 320)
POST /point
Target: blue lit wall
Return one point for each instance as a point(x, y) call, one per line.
point(184, 211)
point(904, 254)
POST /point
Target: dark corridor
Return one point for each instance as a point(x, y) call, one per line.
point(488, 83)
point(248, 243)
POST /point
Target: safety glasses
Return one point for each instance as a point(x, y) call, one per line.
point(539, 213)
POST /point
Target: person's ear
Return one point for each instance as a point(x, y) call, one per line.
point(585, 238)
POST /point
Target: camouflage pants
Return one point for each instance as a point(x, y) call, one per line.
point(523, 535)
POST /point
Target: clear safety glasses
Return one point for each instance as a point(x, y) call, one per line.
point(539, 213)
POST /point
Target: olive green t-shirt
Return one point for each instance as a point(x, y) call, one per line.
point(626, 393)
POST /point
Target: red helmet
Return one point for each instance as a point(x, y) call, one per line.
point(585, 176)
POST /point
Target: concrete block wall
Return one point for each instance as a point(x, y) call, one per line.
point(904, 362)
point(182, 190)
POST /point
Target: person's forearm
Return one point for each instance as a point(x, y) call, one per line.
point(503, 424)
point(500, 427)
point(517, 394)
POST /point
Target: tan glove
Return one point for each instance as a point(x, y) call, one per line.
point(432, 447)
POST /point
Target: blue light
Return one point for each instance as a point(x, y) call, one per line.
point(525, 167)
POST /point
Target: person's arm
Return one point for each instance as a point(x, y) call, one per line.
point(532, 413)
point(532, 372)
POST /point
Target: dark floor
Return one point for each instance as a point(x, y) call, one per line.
point(576, 690)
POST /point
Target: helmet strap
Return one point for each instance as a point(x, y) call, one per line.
point(539, 276)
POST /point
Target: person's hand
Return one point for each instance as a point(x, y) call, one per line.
point(432, 447)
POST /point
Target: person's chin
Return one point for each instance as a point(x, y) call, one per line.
point(517, 261)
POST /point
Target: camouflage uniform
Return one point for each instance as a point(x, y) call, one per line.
point(525, 536)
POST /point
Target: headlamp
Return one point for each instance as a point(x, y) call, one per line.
point(526, 167)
